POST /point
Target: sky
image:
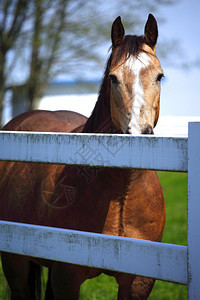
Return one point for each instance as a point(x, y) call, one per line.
point(180, 91)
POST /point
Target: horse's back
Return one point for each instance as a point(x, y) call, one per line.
point(49, 121)
point(21, 183)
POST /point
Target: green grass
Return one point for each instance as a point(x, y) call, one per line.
point(105, 288)
point(3, 285)
point(101, 288)
point(175, 191)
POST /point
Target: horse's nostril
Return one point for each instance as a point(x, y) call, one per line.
point(128, 131)
point(148, 130)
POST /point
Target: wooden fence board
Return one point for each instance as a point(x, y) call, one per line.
point(152, 259)
point(145, 152)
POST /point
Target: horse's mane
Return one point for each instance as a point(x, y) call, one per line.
point(131, 45)
point(100, 119)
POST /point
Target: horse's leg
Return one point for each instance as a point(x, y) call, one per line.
point(20, 274)
point(66, 280)
point(141, 288)
point(124, 281)
point(134, 287)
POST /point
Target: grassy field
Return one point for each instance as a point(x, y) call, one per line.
point(105, 288)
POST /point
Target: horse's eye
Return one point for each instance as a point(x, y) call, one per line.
point(114, 79)
point(159, 77)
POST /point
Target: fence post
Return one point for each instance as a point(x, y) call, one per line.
point(193, 211)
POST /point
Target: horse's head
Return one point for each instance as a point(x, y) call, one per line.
point(135, 75)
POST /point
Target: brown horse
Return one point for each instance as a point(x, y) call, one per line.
point(122, 202)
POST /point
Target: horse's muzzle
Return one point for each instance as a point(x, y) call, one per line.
point(148, 130)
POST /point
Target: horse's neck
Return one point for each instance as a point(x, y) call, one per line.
point(100, 122)
point(100, 119)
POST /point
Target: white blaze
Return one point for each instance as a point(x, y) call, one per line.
point(136, 65)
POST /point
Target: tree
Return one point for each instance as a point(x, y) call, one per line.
point(40, 39)
point(8, 36)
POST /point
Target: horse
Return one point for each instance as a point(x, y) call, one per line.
point(113, 201)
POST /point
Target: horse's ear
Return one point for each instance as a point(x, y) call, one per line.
point(151, 31)
point(117, 33)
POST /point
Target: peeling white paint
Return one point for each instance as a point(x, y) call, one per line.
point(143, 152)
point(163, 261)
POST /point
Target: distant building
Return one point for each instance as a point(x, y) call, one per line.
point(78, 87)
point(73, 95)
point(79, 96)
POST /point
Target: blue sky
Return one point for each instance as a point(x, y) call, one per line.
point(180, 91)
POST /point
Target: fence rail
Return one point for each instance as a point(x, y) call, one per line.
point(163, 261)
point(145, 152)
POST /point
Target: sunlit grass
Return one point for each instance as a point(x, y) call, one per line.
point(175, 191)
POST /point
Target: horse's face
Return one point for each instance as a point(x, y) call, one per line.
point(135, 81)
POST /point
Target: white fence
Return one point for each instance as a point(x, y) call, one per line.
point(167, 262)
